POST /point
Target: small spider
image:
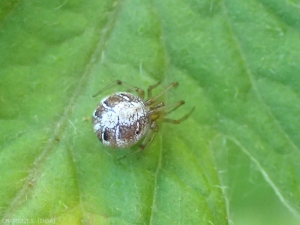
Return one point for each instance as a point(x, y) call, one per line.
point(122, 119)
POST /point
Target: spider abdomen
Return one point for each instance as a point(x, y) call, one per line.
point(120, 120)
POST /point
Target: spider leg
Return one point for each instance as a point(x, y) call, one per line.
point(180, 103)
point(178, 121)
point(161, 107)
point(156, 106)
point(139, 91)
point(150, 136)
point(150, 88)
point(151, 99)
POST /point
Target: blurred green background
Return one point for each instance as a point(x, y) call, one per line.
point(234, 161)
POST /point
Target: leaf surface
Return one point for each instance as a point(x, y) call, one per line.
point(236, 63)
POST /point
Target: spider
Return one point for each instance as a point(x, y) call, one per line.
point(122, 119)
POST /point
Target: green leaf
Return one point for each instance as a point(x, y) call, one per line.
point(236, 62)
